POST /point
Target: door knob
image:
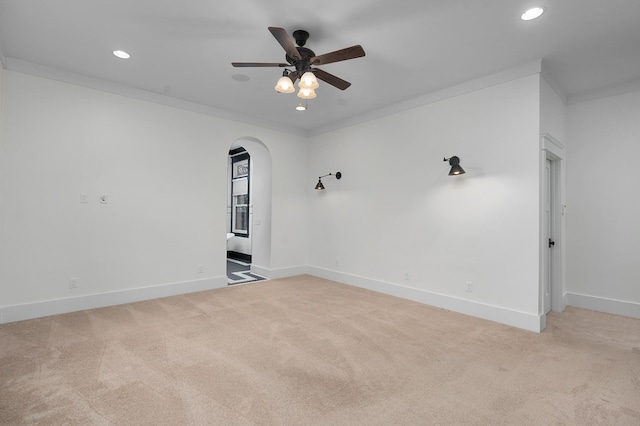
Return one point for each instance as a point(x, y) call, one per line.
point(551, 243)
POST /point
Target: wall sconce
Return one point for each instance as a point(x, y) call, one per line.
point(454, 162)
point(319, 185)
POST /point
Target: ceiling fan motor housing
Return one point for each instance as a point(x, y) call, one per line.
point(303, 64)
point(301, 37)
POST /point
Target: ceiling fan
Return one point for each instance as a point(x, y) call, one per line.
point(304, 61)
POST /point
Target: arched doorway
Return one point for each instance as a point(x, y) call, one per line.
point(248, 211)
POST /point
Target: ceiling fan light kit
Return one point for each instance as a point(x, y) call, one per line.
point(307, 93)
point(285, 85)
point(304, 60)
point(308, 81)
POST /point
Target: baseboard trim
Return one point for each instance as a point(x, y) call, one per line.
point(523, 320)
point(90, 301)
point(239, 256)
point(602, 304)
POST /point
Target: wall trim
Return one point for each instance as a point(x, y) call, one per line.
point(37, 70)
point(603, 304)
point(554, 150)
point(501, 77)
point(523, 320)
point(546, 137)
point(243, 257)
point(99, 300)
point(616, 89)
point(530, 322)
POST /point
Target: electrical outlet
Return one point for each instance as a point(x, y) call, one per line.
point(200, 269)
point(406, 275)
point(337, 262)
point(84, 198)
point(73, 283)
point(469, 286)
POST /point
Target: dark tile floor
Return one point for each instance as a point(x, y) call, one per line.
point(240, 273)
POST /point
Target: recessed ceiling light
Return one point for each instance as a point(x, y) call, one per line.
point(240, 77)
point(121, 54)
point(532, 13)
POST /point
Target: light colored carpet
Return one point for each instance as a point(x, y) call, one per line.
point(306, 351)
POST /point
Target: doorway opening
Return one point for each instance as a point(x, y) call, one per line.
point(248, 212)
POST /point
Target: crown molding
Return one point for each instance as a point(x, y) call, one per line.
point(605, 92)
point(524, 70)
point(118, 89)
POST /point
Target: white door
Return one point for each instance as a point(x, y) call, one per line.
point(548, 235)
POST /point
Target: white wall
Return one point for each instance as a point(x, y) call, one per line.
point(165, 173)
point(2, 71)
point(396, 211)
point(289, 215)
point(603, 199)
point(553, 112)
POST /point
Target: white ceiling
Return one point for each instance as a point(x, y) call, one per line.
point(184, 49)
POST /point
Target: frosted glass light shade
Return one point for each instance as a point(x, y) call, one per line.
point(307, 93)
point(285, 85)
point(308, 81)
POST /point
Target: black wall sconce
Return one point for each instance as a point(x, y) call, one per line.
point(454, 162)
point(319, 185)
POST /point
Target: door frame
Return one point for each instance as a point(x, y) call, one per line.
point(553, 150)
point(548, 209)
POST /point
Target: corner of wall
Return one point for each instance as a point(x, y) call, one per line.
point(550, 80)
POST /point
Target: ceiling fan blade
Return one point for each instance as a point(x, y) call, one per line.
point(285, 41)
point(331, 79)
point(339, 55)
point(259, 64)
